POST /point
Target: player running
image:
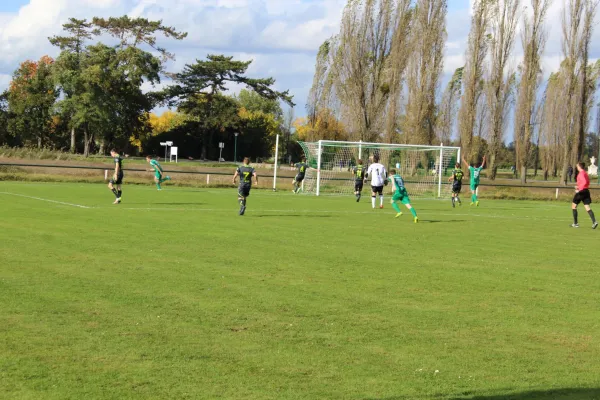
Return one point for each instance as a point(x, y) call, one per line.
point(302, 167)
point(401, 195)
point(117, 180)
point(158, 172)
point(378, 176)
point(474, 172)
point(359, 177)
point(456, 179)
point(582, 195)
point(245, 172)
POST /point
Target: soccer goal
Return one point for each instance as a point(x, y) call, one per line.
point(424, 168)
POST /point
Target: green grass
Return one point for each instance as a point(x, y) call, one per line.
point(172, 295)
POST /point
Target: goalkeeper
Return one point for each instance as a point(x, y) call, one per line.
point(158, 172)
point(401, 195)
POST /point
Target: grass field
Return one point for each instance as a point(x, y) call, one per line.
point(172, 295)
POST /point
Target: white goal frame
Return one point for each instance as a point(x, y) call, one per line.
point(391, 146)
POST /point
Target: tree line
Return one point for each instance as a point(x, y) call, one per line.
point(91, 98)
point(379, 80)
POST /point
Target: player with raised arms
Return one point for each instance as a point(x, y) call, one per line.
point(359, 178)
point(378, 176)
point(475, 172)
point(401, 195)
point(456, 179)
point(302, 167)
point(117, 180)
point(245, 172)
point(582, 195)
point(158, 172)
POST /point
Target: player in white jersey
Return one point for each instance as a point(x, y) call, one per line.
point(378, 176)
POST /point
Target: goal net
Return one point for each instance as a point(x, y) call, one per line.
point(425, 169)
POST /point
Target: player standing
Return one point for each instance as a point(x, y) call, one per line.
point(474, 172)
point(302, 167)
point(378, 176)
point(115, 183)
point(582, 195)
point(401, 195)
point(158, 172)
point(359, 177)
point(245, 172)
point(456, 179)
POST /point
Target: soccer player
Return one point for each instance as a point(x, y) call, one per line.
point(115, 183)
point(245, 172)
point(401, 195)
point(474, 171)
point(158, 172)
point(302, 167)
point(378, 176)
point(359, 177)
point(456, 179)
point(582, 195)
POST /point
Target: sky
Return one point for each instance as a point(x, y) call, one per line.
point(280, 36)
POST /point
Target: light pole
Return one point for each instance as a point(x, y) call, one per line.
point(235, 147)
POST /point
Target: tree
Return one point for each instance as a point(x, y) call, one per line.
point(31, 100)
point(133, 32)
point(533, 41)
point(499, 87)
point(198, 92)
point(367, 61)
point(445, 119)
point(472, 76)
point(68, 66)
point(325, 127)
point(424, 69)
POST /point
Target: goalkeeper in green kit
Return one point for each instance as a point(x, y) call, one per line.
point(158, 172)
point(475, 172)
point(401, 195)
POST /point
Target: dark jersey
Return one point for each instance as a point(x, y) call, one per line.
point(359, 172)
point(245, 172)
point(119, 161)
point(302, 167)
point(457, 174)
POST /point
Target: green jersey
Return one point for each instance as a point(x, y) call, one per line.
point(157, 168)
point(359, 172)
point(119, 161)
point(475, 175)
point(302, 167)
point(398, 183)
point(245, 172)
point(458, 175)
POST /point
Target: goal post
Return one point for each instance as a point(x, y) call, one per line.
point(424, 168)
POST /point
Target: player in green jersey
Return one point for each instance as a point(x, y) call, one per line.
point(302, 167)
point(359, 178)
point(245, 172)
point(117, 180)
point(401, 195)
point(158, 172)
point(456, 179)
point(474, 171)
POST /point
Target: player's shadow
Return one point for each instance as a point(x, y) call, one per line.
point(551, 394)
point(293, 215)
point(435, 221)
point(179, 204)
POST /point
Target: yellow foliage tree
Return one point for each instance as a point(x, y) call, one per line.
point(158, 124)
point(325, 126)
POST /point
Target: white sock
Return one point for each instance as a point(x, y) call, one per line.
point(373, 201)
point(381, 200)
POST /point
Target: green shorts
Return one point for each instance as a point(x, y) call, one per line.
point(157, 176)
point(401, 196)
point(474, 186)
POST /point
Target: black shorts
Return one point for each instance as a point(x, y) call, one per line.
point(244, 190)
point(299, 178)
point(377, 189)
point(119, 179)
point(358, 186)
point(456, 187)
point(583, 196)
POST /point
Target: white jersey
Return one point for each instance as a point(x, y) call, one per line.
point(377, 173)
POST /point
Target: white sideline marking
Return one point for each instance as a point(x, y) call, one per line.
point(47, 200)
